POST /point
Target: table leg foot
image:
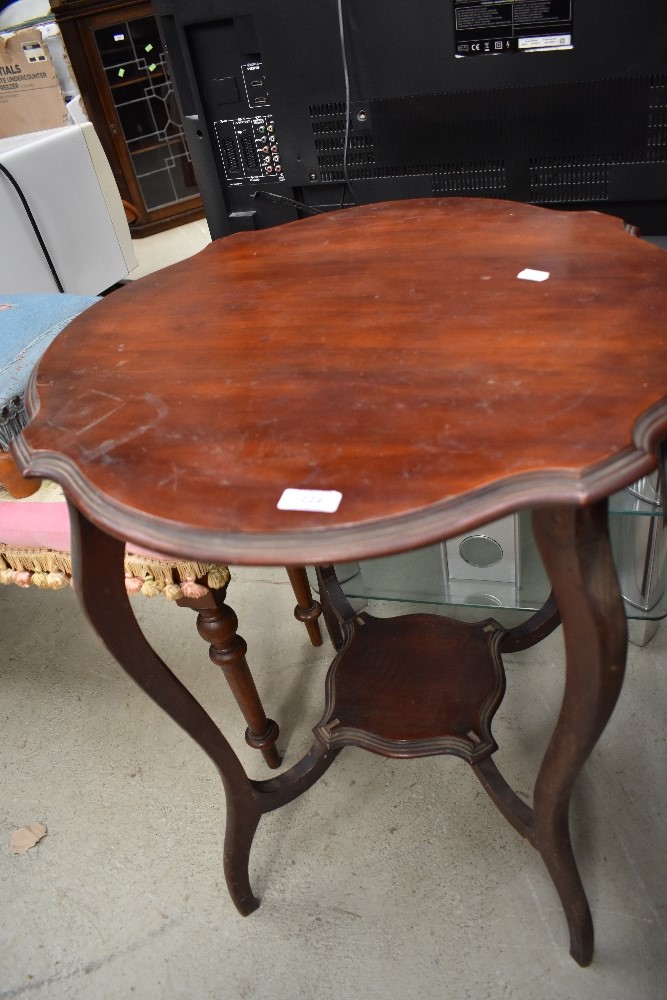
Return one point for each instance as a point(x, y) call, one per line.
point(240, 828)
point(574, 544)
point(553, 843)
point(556, 851)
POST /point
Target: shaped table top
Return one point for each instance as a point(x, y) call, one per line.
point(392, 353)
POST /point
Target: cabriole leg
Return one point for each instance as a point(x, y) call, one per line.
point(99, 582)
point(575, 549)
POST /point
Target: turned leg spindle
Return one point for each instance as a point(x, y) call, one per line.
point(307, 610)
point(217, 625)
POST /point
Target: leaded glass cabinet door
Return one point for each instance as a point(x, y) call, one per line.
point(121, 69)
point(135, 66)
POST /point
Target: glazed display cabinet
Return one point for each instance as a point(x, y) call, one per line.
point(120, 67)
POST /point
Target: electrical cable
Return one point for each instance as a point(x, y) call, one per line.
point(346, 139)
point(33, 223)
point(282, 199)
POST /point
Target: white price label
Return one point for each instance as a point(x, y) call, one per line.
point(317, 501)
point(528, 274)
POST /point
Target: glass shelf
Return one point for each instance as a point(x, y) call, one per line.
point(639, 543)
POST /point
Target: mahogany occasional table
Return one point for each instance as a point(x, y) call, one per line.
point(407, 372)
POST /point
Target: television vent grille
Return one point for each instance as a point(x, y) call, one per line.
point(328, 125)
point(360, 155)
point(324, 110)
point(353, 160)
point(657, 119)
point(374, 172)
point(477, 179)
point(335, 142)
point(554, 180)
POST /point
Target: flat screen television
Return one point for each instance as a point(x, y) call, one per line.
point(298, 106)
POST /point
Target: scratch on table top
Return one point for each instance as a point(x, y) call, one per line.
point(104, 416)
point(160, 410)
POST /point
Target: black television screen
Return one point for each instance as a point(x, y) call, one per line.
point(294, 106)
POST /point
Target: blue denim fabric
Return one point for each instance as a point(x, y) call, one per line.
point(28, 324)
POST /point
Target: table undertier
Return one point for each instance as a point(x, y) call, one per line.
point(413, 686)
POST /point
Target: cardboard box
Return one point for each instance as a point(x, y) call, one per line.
point(30, 96)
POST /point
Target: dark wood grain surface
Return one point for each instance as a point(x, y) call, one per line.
point(389, 352)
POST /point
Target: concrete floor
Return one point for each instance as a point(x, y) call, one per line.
point(153, 252)
point(387, 879)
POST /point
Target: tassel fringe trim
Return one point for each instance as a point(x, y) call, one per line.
point(173, 579)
